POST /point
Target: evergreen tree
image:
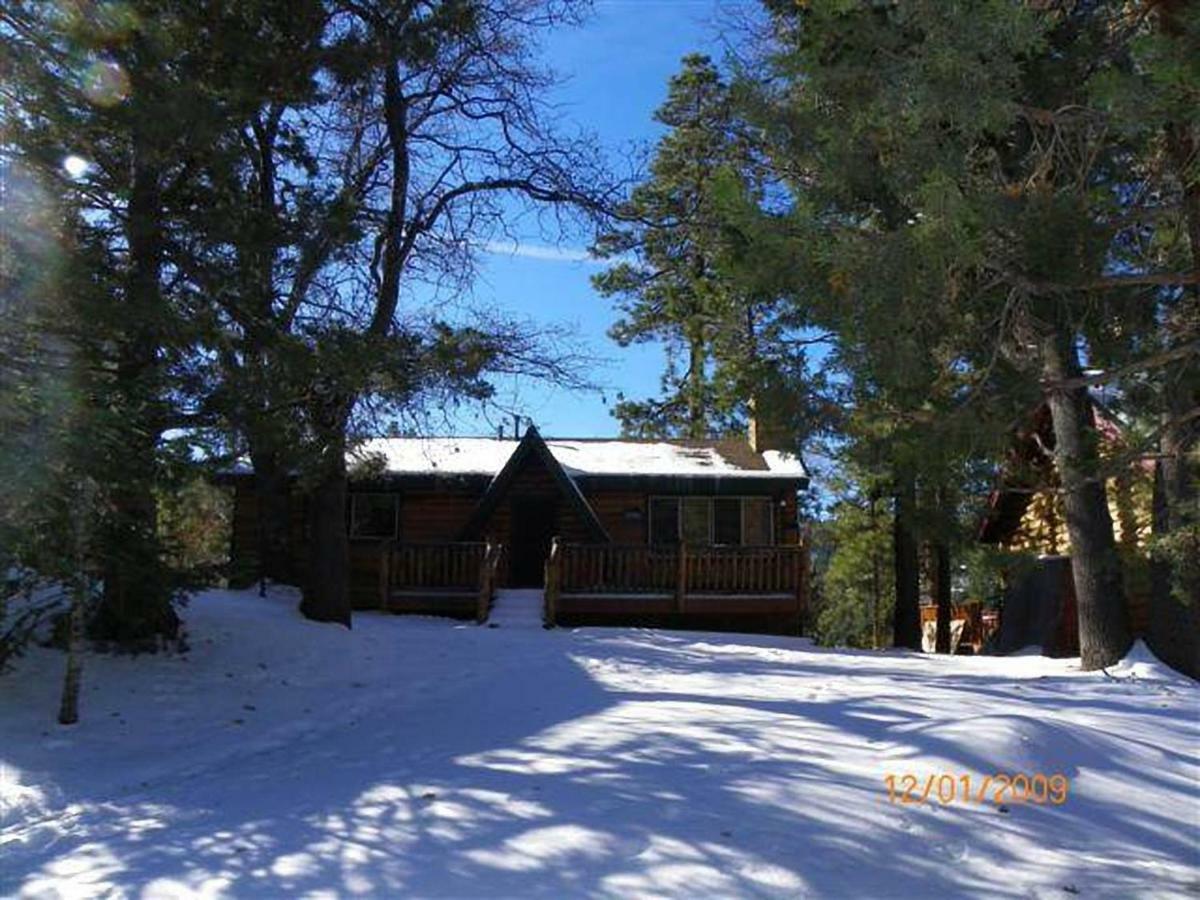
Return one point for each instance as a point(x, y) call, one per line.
point(95, 124)
point(137, 99)
point(857, 590)
point(725, 344)
point(980, 205)
point(1154, 104)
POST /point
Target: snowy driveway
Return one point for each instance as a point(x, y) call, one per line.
point(421, 757)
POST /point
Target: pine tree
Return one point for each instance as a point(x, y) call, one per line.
point(857, 591)
point(980, 205)
point(667, 278)
point(1152, 102)
point(109, 110)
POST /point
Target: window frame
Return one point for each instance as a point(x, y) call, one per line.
point(709, 500)
point(771, 504)
point(354, 496)
point(650, 532)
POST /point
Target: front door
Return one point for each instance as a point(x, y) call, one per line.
point(534, 523)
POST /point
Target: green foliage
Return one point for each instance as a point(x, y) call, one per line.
point(857, 588)
point(195, 522)
point(966, 179)
point(724, 343)
point(109, 329)
point(987, 569)
point(1179, 549)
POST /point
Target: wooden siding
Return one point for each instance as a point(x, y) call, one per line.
point(611, 507)
point(245, 538)
point(437, 514)
point(534, 481)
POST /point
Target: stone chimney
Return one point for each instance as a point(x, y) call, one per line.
point(767, 430)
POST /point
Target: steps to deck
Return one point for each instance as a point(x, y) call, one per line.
point(517, 608)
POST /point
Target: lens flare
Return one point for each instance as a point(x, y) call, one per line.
point(75, 166)
point(105, 83)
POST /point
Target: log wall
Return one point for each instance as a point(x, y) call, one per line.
point(438, 514)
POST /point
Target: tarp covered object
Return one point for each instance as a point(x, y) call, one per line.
point(1039, 610)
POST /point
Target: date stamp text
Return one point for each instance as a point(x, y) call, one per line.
point(998, 788)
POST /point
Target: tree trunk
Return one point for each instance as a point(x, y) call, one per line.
point(327, 582)
point(906, 629)
point(1174, 626)
point(272, 492)
point(1103, 617)
point(327, 588)
point(941, 588)
point(68, 710)
point(1173, 631)
point(697, 417)
point(876, 579)
point(136, 605)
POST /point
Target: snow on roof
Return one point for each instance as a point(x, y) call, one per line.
point(447, 456)
point(487, 456)
point(784, 463)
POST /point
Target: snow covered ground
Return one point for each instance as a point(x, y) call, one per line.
point(421, 757)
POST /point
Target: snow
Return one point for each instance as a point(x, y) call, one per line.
point(487, 456)
point(784, 463)
point(449, 456)
point(517, 608)
point(417, 756)
point(1141, 663)
point(646, 458)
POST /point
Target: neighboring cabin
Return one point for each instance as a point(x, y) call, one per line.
point(649, 532)
point(1026, 515)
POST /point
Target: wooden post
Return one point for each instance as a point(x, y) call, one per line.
point(801, 582)
point(681, 579)
point(550, 593)
point(484, 603)
point(385, 587)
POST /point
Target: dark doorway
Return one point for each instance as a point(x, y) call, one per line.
point(534, 523)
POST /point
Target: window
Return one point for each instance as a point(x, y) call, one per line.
point(664, 520)
point(732, 521)
point(374, 515)
point(697, 516)
point(756, 521)
point(727, 520)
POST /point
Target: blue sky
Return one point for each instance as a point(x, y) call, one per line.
point(616, 68)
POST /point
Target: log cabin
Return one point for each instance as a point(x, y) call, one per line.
point(683, 533)
point(1026, 515)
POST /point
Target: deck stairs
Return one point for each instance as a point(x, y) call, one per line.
point(517, 608)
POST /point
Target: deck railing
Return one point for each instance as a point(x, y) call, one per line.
point(979, 623)
point(743, 570)
point(455, 568)
point(616, 569)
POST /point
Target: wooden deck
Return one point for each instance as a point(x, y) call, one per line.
point(729, 588)
point(441, 579)
point(978, 624)
point(720, 588)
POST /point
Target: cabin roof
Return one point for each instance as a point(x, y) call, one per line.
point(585, 457)
point(1029, 469)
point(533, 445)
